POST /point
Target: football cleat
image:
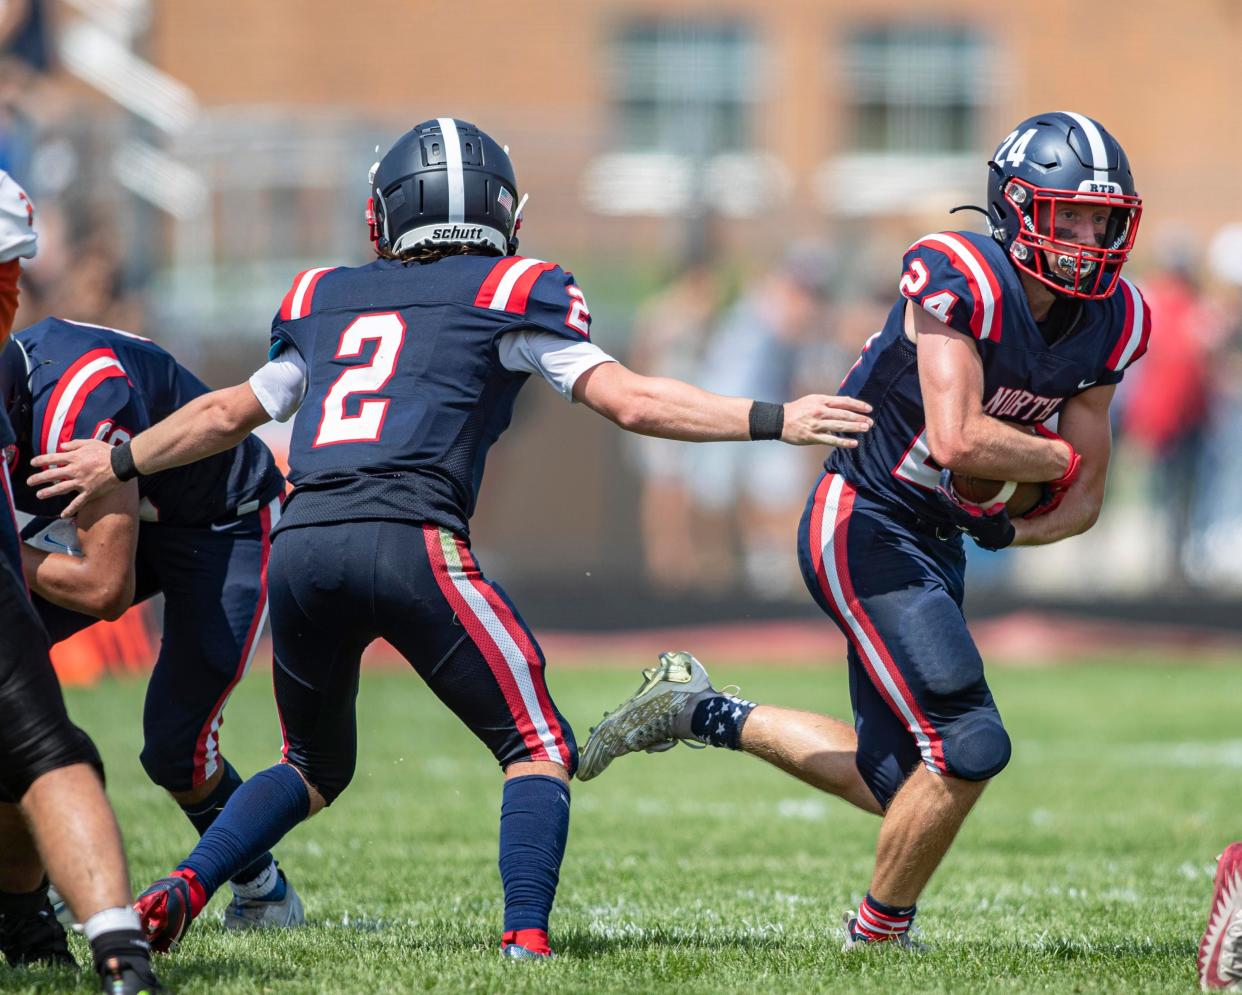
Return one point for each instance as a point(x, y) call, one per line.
point(1220, 950)
point(167, 908)
point(34, 937)
point(525, 944)
point(258, 913)
point(649, 718)
point(515, 951)
point(128, 976)
point(908, 940)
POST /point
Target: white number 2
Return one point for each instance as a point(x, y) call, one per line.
point(387, 329)
point(579, 315)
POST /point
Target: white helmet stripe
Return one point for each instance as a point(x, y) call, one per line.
point(456, 179)
point(1099, 155)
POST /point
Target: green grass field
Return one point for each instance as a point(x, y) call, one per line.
point(1086, 867)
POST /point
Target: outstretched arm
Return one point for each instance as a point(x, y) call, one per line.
point(671, 409)
point(1085, 425)
point(209, 424)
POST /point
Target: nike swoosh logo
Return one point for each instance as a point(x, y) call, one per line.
point(1084, 384)
point(225, 527)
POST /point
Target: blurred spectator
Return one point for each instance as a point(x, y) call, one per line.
point(1166, 399)
point(1214, 555)
point(669, 333)
point(762, 349)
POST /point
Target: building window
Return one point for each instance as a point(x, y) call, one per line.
point(916, 90)
point(684, 87)
point(684, 95)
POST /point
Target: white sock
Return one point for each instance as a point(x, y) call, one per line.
point(111, 920)
point(260, 886)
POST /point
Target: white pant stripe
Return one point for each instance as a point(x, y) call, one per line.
point(832, 503)
point(515, 659)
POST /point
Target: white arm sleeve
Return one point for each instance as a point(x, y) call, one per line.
point(281, 384)
point(559, 361)
point(17, 234)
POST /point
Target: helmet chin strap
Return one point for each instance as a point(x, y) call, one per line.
point(517, 220)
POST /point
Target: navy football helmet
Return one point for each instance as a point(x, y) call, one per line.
point(1050, 160)
point(443, 183)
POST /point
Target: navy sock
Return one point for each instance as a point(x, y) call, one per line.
point(534, 824)
point(718, 720)
point(203, 813)
point(260, 812)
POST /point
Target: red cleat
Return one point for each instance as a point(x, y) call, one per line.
point(1220, 950)
point(167, 908)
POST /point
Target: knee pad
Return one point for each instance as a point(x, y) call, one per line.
point(976, 745)
point(330, 780)
point(163, 769)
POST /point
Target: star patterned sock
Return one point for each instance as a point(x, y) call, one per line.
point(718, 720)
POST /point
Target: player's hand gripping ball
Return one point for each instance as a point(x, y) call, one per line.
point(1018, 498)
point(988, 525)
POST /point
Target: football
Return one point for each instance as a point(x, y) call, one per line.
point(1019, 498)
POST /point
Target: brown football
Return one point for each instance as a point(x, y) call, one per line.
point(1021, 499)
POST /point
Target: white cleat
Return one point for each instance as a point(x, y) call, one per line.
point(908, 941)
point(649, 718)
point(255, 913)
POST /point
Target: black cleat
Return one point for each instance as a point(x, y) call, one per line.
point(32, 935)
point(122, 975)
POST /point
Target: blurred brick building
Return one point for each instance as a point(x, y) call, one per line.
point(228, 144)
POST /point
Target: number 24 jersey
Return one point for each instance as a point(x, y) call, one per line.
point(965, 281)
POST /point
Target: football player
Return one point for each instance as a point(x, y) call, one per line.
point(1220, 949)
point(990, 333)
point(54, 815)
point(403, 373)
point(199, 535)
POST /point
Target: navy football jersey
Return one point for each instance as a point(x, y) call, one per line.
point(966, 281)
point(405, 389)
point(90, 382)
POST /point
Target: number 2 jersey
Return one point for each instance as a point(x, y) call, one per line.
point(965, 281)
point(89, 382)
point(406, 385)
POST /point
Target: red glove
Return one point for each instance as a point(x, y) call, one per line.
point(1054, 490)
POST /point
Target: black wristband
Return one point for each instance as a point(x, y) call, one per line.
point(767, 420)
point(123, 462)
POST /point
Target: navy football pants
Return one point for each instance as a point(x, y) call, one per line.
point(335, 588)
point(916, 677)
point(214, 582)
point(36, 736)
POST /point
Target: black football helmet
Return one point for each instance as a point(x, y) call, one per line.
point(1045, 162)
point(444, 182)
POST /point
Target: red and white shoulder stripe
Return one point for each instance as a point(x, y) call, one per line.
point(74, 387)
point(1135, 328)
point(297, 303)
point(967, 259)
point(509, 284)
